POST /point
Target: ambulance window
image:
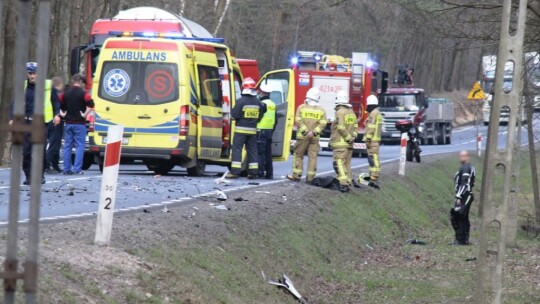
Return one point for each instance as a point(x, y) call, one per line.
point(280, 86)
point(237, 84)
point(210, 86)
point(117, 80)
point(161, 82)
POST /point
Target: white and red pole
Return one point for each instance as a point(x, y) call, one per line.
point(403, 153)
point(107, 197)
point(479, 144)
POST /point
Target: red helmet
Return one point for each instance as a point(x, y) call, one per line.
point(249, 84)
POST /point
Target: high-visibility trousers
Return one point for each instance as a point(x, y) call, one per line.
point(373, 159)
point(303, 146)
point(342, 165)
point(250, 142)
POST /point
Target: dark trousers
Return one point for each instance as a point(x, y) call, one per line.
point(250, 141)
point(264, 146)
point(460, 220)
point(54, 136)
point(27, 154)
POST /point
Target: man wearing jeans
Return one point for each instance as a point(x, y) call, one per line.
point(75, 104)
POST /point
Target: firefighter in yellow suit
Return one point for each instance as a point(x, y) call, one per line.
point(344, 132)
point(310, 121)
point(373, 137)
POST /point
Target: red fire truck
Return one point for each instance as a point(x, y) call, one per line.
point(331, 74)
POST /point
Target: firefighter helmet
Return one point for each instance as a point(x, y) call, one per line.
point(372, 100)
point(248, 86)
point(265, 88)
point(313, 95)
point(342, 99)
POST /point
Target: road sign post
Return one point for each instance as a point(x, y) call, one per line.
point(109, 182)
point(403, 153)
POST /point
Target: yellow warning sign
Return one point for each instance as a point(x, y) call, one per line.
point(476, 92)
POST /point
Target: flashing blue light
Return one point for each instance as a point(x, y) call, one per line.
point(145, 34)
point(369, 64)
point(318, 57)
point(294, 60)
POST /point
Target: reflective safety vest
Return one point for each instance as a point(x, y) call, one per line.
point(48, 112)
point(269, 119)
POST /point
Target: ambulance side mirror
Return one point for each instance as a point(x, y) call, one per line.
point(75, 60)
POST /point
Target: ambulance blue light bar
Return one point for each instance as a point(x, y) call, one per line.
point(164, 35)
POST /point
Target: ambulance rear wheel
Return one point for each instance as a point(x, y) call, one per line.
point(198, 170)
point(159, 166)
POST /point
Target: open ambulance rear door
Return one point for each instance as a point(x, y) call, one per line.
point(283, 95)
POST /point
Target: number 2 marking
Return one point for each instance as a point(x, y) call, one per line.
point(109, 201)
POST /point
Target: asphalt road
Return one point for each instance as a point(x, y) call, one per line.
point(67, 197)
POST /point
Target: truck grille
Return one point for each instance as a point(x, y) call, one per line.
point(389, 123)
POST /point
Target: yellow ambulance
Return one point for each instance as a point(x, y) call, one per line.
point(174, 95)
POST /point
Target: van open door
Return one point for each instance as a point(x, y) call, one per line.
point(283, 94)
point(210, 122)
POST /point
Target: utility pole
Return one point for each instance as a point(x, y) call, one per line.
point(33, 129)
point(498, 165)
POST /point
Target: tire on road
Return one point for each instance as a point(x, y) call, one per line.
point(409, 154)
point(159, 166)
point(198, 170)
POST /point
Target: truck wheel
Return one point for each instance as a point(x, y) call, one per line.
point(441, 135)
point(198, 170)
point(356, 154)
point(159, 166)
point(409, 154)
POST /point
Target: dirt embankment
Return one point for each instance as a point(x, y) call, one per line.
point(337, 248)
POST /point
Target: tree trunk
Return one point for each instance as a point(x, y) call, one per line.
point(74, 24)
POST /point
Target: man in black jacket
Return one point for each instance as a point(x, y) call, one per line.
point(463, 186)
point(75, 105)
point(247, 112)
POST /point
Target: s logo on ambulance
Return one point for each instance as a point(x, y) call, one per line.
point(116, 82)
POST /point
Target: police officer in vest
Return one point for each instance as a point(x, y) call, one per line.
point(265, 131)
point(51, 109)
point(247, 113)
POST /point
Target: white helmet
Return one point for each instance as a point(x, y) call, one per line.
point(265, 88)
point(313, 95)
point(372, 100)
point(342, 99)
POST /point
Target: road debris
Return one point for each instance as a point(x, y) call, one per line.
point(146, 211)
point(165, 210)
point(222, 207)
point(416, 242)
point(221, 196)
point(240, 199)
point(264, 192)
point(470, 259)
point(222, 180)
point(286, 283)
point(284, 197)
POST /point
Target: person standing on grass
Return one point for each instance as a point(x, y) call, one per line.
point(463, 186)
point(55, 133)
point(75, 105)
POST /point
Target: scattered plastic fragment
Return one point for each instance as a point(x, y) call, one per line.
point(240, 199)
point(284, 197)
point(286, 283)
point(470, 259)
point(416, 242)
point(265, 192)
point(222, 180)
point(222, 207)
